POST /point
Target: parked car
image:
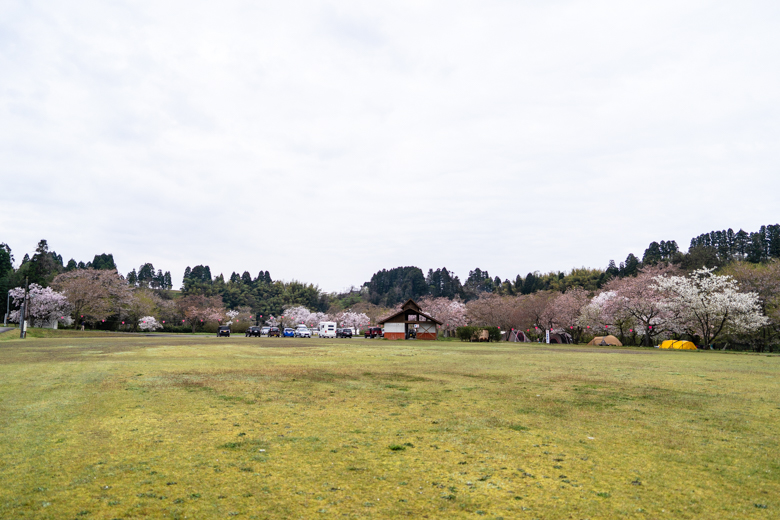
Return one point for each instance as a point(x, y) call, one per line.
point(274, 331)
point(288, 332)
point(264, 331)
point(253, 331)
point(374, 332)
point(343, 333)
point(223, 331)
point(302, 332)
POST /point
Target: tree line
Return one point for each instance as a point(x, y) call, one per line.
point(261, 295)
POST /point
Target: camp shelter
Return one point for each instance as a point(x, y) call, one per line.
point(604, 341)
point(563, 338)
point(518, 335)
point(678, 345)
point(410, 322)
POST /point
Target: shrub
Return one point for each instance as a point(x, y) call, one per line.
point(465, 333)
point(494, 334)
point(470, 333)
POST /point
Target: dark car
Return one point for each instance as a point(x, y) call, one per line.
point(253, 331)
point(274, 331)
point(343, 333)
point(288, 332)
point(223, 331)
point(374, 332)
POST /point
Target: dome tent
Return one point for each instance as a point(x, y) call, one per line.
point(604, 341)
point(678, 345)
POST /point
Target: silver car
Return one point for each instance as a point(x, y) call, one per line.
point(302, 332)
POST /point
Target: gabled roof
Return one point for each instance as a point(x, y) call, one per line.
point(411, 304)
point(409, 307)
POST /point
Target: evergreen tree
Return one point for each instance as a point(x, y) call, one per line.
point(146, 275)
point(631, 266)
point(104, 262)
point(530, 284)
point(612, 269)
point(389, 287)
point(6, 260)
point(6, 274)
point(652, 254)
point(43, 266)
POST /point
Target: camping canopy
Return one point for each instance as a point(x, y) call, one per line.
point(678, 345)
point(604, 341)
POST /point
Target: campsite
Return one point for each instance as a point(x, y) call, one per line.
point(100, 425)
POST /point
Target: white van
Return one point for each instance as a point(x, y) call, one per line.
point(327, 329)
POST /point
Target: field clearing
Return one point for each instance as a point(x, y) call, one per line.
point(205, 427)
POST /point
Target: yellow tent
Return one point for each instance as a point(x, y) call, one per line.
point(678, 345)
point(604, 341)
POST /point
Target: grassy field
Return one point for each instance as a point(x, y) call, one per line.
point(205, 427)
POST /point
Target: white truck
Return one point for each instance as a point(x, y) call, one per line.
point(327, 329)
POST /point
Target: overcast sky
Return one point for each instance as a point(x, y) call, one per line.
point(323, 141)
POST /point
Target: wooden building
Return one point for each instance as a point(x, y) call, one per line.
point(410, 321)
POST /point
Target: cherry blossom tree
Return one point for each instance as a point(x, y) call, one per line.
point(169, 313)
point(199, 309)
point(639, 306)
point(45, 305)
point(231, 315)
point(490, 310)
point(142, 302)
point(298, 314)
point(564, 311)
point(244, 315)
point(603, 315)
point(535, 306)
point(708, 305)
point(452, 313)
point(315, 318)
point(149, 324)
point(94, 295)
point(764, 280)
point(351, 319)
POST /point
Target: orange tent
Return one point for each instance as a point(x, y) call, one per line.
point(604, 341)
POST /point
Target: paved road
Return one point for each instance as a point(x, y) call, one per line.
point(6, 329)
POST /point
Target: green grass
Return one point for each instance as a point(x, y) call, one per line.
point(201, 427)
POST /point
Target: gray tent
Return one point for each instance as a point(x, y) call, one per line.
point(518, 335)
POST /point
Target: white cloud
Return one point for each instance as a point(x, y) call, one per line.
point(324, 141)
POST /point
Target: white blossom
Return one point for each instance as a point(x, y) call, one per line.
point(351, 319)
point(149, 323)
point(708, 305)
point(45, 305)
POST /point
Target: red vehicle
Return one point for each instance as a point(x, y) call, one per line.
point(374, 332)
